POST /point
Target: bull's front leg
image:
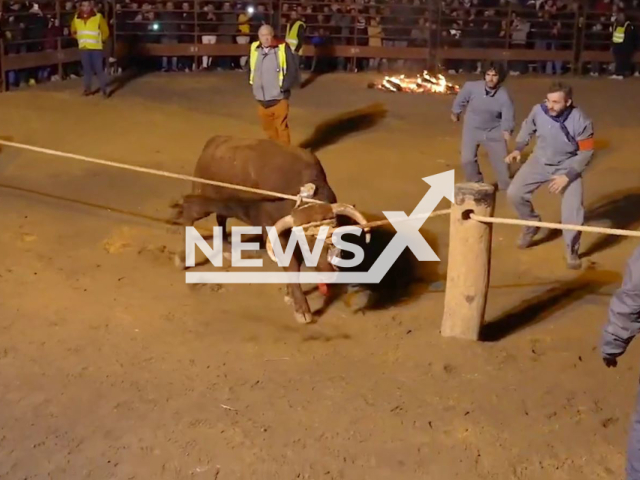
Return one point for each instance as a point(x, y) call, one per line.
point(295, 296)
point(221, 220)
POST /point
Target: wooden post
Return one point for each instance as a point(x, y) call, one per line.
point(507, 33)
point(438, 39)
point(580, 27)
point(59, 43)
point(3, 80)
point(196, 11)
point(432, 63)
point(469, 262)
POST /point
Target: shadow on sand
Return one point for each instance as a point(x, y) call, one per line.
point(83, 203)
point(313, 76)
point(128, 76)
point(621, 210)
point(405, 281)
point(134, 65)
point(542, 306)
point(617, 210)
point(336, 128)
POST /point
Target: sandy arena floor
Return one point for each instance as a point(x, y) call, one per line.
point(112, 368)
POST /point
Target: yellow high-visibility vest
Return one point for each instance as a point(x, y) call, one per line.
point(243, 23)
point(282, 61)
point(88, 33)
point(618, 33)
point(291, 37)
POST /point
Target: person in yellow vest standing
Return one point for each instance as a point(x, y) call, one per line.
point(295, 36)
point(272, 74)
point(623, 42)
point(244, 29)
point(90, 29)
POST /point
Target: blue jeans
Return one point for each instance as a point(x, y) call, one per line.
point(93, 64)
point(14, 77)
point(548, 45)
point(174, 63)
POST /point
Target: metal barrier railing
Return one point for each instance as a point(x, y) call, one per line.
point(433, 32)
point(595, 42)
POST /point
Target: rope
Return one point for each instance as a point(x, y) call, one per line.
point(381, 223)
point(556, 226)
point(295, 198)
point(299, 198)
point(377, 223)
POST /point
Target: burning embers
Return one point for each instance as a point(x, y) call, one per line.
point(423, 83)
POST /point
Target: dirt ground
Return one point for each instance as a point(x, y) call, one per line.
point(111, 367)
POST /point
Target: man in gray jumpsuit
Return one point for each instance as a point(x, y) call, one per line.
point(564, 148)
point(489, 121)
point(622, 327)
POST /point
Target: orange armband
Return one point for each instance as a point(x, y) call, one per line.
point(586, 144)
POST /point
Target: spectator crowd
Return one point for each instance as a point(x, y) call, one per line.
point(553, 25)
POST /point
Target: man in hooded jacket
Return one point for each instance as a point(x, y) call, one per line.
point(620, 330)
point(489, 121)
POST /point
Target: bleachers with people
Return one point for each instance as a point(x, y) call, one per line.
point(534, 36)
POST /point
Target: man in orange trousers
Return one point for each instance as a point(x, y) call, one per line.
point(272, 73)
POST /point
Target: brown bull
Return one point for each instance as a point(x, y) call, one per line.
point(265, 165)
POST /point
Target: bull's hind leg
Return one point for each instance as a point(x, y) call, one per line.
point(221, 220)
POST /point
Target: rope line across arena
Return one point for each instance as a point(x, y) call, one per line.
point(511, 221)
point(299, 198)
point(507, 221)
point(162, 173)
point(555, 226)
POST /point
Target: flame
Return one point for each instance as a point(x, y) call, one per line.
point(424, 83)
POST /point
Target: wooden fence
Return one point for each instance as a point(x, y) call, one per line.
point(430, 32)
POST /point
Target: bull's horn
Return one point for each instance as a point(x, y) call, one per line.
point(285, 223)
point(349, 211)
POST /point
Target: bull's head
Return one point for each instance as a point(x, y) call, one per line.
point(316, 215)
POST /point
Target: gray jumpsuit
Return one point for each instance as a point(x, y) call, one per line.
point(488, 114)
point(555, 154)
point(622, 327)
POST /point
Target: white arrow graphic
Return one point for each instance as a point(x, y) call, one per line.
point(442, 186)
point(408, 228)
point(408, 235)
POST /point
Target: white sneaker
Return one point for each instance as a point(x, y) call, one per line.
point(616, 77)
